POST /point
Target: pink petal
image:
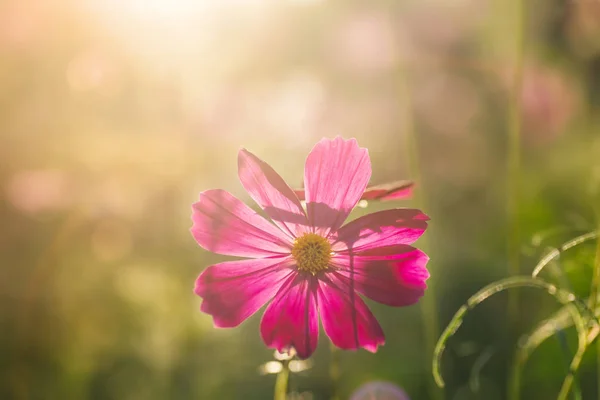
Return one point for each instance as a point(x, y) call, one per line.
point(389, 191)
point(393, 275)
point(233, 291)
point(271, 192)
point(291, 320)
point(335, 177)
point(225, 225)
point(346, 318)
point(397, 190)
point(299, 193)
point(382, 228)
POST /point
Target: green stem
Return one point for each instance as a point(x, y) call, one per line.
point(562, 296)
point(334, 372)
point(514, 165)
point(514, 382)
point(568, 382)
point(281, 383)
point(598, 367)
point(593, 302)
point(582, 346)
point(428, 302)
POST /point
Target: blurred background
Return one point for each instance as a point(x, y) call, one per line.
point(115, 114)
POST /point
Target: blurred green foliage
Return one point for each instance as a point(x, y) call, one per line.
point(115, 114)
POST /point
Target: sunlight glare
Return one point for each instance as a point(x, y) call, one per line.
point(176, 26)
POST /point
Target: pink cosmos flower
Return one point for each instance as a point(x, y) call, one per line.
point(307, 264)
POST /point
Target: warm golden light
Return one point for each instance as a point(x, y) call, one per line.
point(164, 28)
point(115, 114)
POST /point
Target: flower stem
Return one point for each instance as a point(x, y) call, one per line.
point(514, 382)
point(592, 304)
point(334, 371)
point(428, 302)
point(513, 169)
point(281, 383)
point(594, 297)
point(598, 363)
point(568, 382)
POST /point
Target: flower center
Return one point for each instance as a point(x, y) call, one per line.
point(312, 253)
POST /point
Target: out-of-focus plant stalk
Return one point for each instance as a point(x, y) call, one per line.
point(514, 380)
point(514, 165)
point(567, 384)
point(514, 156)
point(281, 383)
point(334, 372)
point(594, 293)
point(513, 170)
point(428, 302)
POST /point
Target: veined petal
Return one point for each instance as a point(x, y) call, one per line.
point(225, 225)
point(379, 229)
point(335, 177)
point(345, 317)
point(396, 190)
point(393, 275)
point(232, 291)
point(300, 194)
point(271, 192)
point(291, 320)
point(389, 191)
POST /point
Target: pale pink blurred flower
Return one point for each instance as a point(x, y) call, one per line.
point(307, 263)
point(379, 391)
point(39, 191)
point(365, 43)
point(548, 103)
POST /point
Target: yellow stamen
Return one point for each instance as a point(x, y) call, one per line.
point(312, 253)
